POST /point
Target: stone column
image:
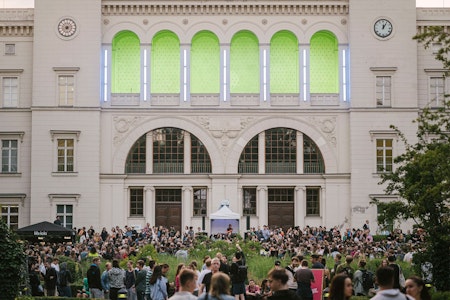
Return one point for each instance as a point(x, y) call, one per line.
point(300, 206)
point(149, 153)
point(149, 204)
point(262, 205)
point(262, 153)
point(299, 152)
point(187, 153)
point(186, 206)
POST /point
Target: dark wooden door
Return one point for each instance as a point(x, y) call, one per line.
point(281, 214)
point(168, 214)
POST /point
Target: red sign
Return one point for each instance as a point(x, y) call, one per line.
point(317, 285)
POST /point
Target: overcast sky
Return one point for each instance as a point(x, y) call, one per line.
point(30, 3)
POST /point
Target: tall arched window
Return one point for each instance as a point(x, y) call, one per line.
point(281, 153)
point(165, 63)
point(168, 153)
point(126, 63)
point(205, 63)
point(284, 69)
point(324, 63)
point(244, 63)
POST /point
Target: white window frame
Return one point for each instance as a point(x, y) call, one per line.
point(129, 202)
point(9, 214)
point(65, 135)
point(67, 72)
point(384, 72)
point(64, 199)
point(432, 76)
point(16, 200)
point(8, 74)
point(383, 135)
point(11, 135)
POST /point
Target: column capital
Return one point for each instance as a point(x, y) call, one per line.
point(300, 187)
point(186, 188)
point(261, 188)
point(149, 188)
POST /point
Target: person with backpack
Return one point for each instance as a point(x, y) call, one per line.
point(238, 273)
point(346, 267)
point(64, 280)
point(362, 280)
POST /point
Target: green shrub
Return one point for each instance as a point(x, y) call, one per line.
point(440, 296)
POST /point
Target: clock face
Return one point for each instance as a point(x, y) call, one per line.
point(383, 28)
point(67, 27)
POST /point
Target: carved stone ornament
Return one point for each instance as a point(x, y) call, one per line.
point(328, 126)
point(224, 129)
point(122, 126)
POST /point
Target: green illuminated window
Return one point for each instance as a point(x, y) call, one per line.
point(165, 63)
point(126, 57)
point(244, 63)
point(284, 70)
point(205, 63)
point(324, 63)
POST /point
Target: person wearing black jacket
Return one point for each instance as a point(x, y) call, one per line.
point(94, 279)
point(50, 278)
point(278, 279)
point(237, 281)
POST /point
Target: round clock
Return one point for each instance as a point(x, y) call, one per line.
point(383, 28)
point(67, 27)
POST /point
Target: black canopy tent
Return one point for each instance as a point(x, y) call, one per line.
point(46, 231)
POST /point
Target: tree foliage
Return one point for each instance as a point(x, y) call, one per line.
point(421, 178)
point(12, 262)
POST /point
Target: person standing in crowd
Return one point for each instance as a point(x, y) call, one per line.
point(316, 262)
point(130, 280)
point(180, 267)
point(304, 277)
point(346, 267)
point(188, 283)
point(50, 279)
point(151, 267)
point(415, 287)
point(265, 289)
point(341, 288)
point(278, 285)
point(397, 272)
point(220, 287)
point(385, 277)
point(105, 281)
point(238, 275)
point(140, 280)
point(206, 282)
point(337, 262)
point(64, 280)
point(94, 279)
point(290, 270)
point(158, 285)
point(358, 279)
point(116, 279)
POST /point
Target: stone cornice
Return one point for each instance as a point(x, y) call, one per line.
point(230, 7)
point(16, 22)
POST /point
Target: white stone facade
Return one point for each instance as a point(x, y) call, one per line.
point(344, 126)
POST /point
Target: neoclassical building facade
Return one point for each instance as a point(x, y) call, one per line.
point(119, 112)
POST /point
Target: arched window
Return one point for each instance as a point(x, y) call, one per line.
point(205, 63)
point(281, 153)
point(244, 63)
point(281, 150)
point(168, 153)
point(324, 63)
point(284, 69)
point(165, 63)
point(126, 61)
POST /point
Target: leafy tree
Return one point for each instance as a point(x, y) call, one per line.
point(12, 261)
point(421, 178)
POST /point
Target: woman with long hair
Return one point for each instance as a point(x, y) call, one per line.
point(180, 267)
point(158, 285)
point(415, 287)
point(220, 288)
point(341, 288)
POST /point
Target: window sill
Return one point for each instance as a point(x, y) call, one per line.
point(10, 174)
point(65, 174)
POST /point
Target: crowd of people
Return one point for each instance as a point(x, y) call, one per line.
point(216, 278)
